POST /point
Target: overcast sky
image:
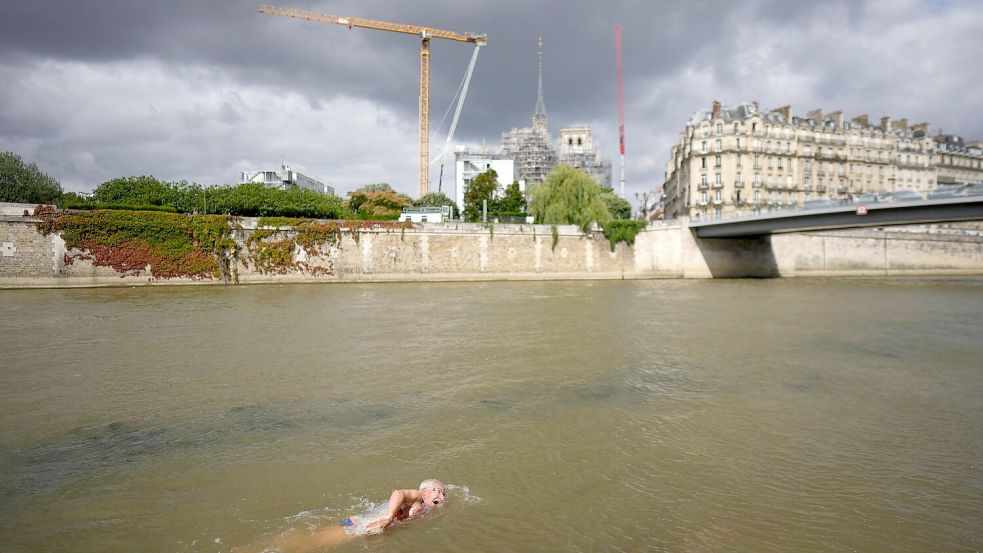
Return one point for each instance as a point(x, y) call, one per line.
point(201, 90)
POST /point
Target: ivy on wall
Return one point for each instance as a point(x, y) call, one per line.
point(272, 249)
point(169, 245)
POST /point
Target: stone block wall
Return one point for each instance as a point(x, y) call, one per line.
point(461, 251)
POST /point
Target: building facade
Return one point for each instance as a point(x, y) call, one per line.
point(746, 160)
point(577, 149)
point(956, 160)
point(285, 178)
point(468, 165)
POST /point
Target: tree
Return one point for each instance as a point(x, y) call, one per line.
point(479, 190)
point(142, 190)
point(513, 203)
point(377, 201)
point(618, 206)
point(24, 183)
point(568, 196)
point(435, 199)
point(377, 187)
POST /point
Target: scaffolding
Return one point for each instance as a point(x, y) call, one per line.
point(534, 156)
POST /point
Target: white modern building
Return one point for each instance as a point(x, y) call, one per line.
point(440, 214)
point(469, 165)
point(285, 178)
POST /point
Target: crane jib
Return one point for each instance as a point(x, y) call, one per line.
point(425, 34)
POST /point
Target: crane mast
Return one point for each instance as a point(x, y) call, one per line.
point(424, 33)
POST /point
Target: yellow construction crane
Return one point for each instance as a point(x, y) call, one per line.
point(425, 34)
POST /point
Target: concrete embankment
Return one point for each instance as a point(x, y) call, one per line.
point(461, 251)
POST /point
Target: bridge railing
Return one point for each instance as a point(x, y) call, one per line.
point(765, 206)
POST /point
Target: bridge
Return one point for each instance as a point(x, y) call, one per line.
point(914, 212)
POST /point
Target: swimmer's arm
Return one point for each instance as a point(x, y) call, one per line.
point(397, 500)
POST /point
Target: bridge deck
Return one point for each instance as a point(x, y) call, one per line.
point(841, 217)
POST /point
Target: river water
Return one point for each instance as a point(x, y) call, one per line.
point(767, 415)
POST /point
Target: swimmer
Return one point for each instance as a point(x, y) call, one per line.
point(404, 505)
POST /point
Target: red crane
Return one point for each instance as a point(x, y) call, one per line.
point(619, 75)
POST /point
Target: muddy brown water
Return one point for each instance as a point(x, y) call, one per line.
point(776, 415)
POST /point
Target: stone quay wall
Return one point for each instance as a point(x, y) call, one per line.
point(464, 251)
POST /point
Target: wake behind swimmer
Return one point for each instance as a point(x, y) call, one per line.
point(403, 505)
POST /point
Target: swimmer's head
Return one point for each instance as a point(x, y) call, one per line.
point(432, 492)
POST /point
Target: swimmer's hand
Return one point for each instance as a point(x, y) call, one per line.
point(378, 525)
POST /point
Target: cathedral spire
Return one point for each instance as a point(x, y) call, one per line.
point(539, 119)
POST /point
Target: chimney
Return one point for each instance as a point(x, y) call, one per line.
point(716, 109)
point(837, 117)
point(900, 124)
point(861, 120)
point(886, 124)
point(786, 112)
point(920, 127)
point(816, 114)
point(756, 106)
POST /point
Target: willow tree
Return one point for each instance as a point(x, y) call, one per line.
point(569, 196)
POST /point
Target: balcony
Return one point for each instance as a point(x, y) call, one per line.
point(738, 184)
point(703, 203)
point(820, 188)
point(756, 184)
point(718, 201)
point(718, 185)
point(703, 186)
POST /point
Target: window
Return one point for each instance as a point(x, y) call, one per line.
point(706, 131)
point(703, 180)
point(754, 127)
point(703, 163)
point(738, 161)
point(703, 146)
point(737, 197)
point(717, 179)
point(703, 197)
point(757, 196)
point(737, 178)
point(716, 161)
point(807, 150)
point(719, 145)
point(738, 143)
point(769, 163)
point(757, 162)
point(737, 127)
point(757, 179)
point(720, 128)
point(779, 164)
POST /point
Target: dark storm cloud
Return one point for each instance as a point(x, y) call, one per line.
point(200, 90)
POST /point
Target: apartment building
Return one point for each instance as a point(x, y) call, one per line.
point(746, 160)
